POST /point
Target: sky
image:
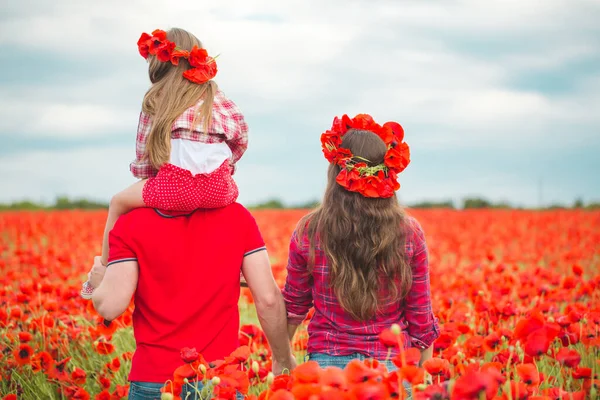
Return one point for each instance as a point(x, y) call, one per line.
point(499, 99)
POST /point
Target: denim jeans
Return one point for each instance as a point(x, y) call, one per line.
point(151, 391)
point(325, 360)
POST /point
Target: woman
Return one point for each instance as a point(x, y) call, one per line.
point(358, 258)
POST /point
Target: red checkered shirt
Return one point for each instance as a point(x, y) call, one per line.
point(228, 125)
point(332, 330)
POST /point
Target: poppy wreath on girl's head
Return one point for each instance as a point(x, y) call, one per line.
point(204, 68)
point(356, 175)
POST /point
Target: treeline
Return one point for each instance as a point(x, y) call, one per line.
point(65, 203)
point(61, 203)
point(467, 203)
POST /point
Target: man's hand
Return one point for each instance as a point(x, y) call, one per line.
point(285, 366)
point(97, 272)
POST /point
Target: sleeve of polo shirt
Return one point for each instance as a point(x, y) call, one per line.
point(118, 242)
point(422, 325)
point(253, 241)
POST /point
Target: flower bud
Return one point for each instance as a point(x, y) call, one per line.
point(270, 378)
point(166, 396)
point(255, 367)
point(203, 369)
point(216, 380)
point(395, 328)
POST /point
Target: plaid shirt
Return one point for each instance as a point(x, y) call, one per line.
point(227, 125)
point(332, 330)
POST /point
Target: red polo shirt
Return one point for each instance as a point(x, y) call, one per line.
point(189, 282)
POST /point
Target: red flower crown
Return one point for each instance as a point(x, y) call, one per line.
point(204, 68)
point(356, 175)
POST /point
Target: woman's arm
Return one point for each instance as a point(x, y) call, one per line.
point(297, 292)
point(121, 203)
point(426, 354)
point(422, 324)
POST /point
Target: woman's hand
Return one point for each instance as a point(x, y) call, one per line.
point(97, 272)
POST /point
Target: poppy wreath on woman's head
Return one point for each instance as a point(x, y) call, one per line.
point(380, 180)
point(204, 68)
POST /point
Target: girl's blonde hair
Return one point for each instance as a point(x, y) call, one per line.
point(170, 95)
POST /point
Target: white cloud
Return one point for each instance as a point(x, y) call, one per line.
point(285, 62)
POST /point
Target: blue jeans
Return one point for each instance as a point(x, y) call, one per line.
point(151, 391)
point(325, 360)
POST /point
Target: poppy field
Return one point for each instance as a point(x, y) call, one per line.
point(517, 294)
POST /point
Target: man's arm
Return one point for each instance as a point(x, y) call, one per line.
point(269, 307)
point(112, 297)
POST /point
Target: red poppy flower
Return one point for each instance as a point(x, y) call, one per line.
point(370, 391)
point(189, 355)
point(143, 45)
point(528, 325)
point(398, 157)
point(567, 357)
point(104, 382)
point(198, 57)
point(518, 391)
point(358, 372)
point(114, 365)
point(281, 382)
point(184, 371)
point(582, 373)
point(104, 348)
point(81, 394)
point(201, 74)
point(176, 54)
point(397, 131)
point(42, 361)
point(334, 377)
point(164, 51)
point(390, 339)
point(25, 337)
point(472, 384)
point(539, 341)
point(436, 366)
point(241, 354)
point(308, 372)
point(156, 41)
point(78, 376)
point(103, 395)
point(413, 374)
point(23, 354)
point(282, 395)
point(528, 374)
point(411, 356)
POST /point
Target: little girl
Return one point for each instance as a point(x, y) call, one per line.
point(189, 135)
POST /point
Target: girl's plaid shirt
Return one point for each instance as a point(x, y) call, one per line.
point(227, 125)
point(332, 330)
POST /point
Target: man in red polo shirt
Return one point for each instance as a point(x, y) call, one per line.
point(185, 272)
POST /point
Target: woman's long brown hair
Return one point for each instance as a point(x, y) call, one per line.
point(170, 95)
point(363, 238)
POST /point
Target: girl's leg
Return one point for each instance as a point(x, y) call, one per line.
point(121, 203)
